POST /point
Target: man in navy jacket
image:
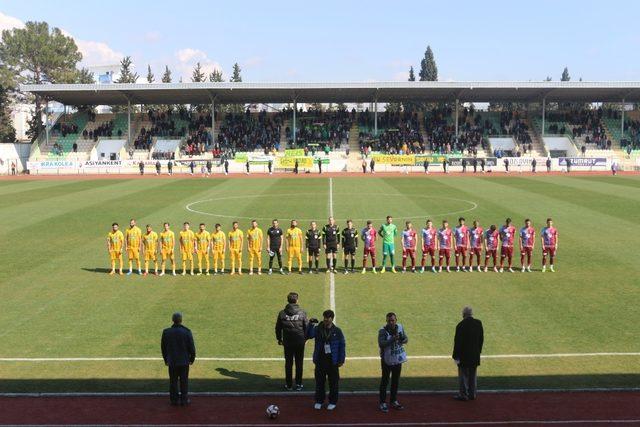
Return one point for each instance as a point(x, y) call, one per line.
point(178, 352)
point(328, 355)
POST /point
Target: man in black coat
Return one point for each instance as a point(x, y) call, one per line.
point(466, 353)
point(291, 327)
point(178, 352)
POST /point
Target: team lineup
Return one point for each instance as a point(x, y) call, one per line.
point(438, 244)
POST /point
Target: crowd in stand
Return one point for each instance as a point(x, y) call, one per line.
point(242, 132)
point(631, 140)
point(584, 123)
point(398, 133)
point(65, 128)
point(103, 131)
point(316, 128)
point(441, 132)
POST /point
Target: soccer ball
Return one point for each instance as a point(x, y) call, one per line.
point(273, 411)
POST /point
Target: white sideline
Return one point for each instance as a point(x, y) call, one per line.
point(332, 278)
point(280, 359)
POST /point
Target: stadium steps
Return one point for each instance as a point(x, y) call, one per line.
point(537, 145)
point(421, 126)
point(283, 135)
point(354, 145)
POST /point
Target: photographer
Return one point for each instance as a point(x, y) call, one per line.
point(391, 339)
point(291, 327)
point(328, 355)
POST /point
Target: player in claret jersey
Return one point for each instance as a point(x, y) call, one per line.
point(369, 237)
point(429, 245)
point(445, 243)
point(461, 233)
point(491, 241)
point(313, 239)
point(507, 237)
point(527, 241)
point(349, 245)
point(409, 244)
point(549, 236)
point(475, 240)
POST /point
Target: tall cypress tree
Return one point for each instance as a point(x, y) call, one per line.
point(565, 75)
point(216, 76)
point(127, 75)
point(236, 77)
point(198, 75)
point(412, 75)
point(150, 77)
point(428, 67)
point(166, 77)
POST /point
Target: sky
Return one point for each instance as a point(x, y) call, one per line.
point(335, 41)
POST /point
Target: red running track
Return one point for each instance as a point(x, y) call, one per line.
point(535, 408)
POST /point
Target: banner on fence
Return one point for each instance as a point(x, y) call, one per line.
point(289, 162)
point(294, 152)
point(53, 164)
point(583, 161)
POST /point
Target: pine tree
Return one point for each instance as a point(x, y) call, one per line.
point(412, 76)
point(7, 85)
point(127, 75)
point(428, 68)
point(198, 75)
point(150, 77)
point(235, 76)
point(166, 77)
point(565, 75)
point(216, 76)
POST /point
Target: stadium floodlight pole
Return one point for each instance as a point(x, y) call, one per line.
point(544, 105)
point(457, 104)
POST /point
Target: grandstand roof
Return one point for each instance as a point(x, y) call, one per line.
point(226, 93)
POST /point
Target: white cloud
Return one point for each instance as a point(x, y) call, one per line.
point(8, 22)
point(187, 60)
point(188, 55)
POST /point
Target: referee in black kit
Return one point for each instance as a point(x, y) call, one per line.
point(313, 240)
point(349, 245)
point(331, 242)
point(274, 245)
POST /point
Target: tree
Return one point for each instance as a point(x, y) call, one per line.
point(7, 86)
point(565, 75)
point(166, 77)
point(216, 76)
point(150, 77)
point(127, 75)
point(84, 76)
point(198, 75)
point(37, 54)
point(408, 106)
point(235, 76)
point(428, 68)
point(412, 76)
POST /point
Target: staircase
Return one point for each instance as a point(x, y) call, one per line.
point(283, 135)
point(421, 126)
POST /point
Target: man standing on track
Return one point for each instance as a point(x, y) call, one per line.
point(369, 237)
point(549, 236)
point(331, 243)
point(409, 244)
point(349, 245)
point(467, 346)
point(461, 234)
point(527, 242)
point(178, 352)
point(255, 239)
point(391, 340)
point(291, 331)
point(274, 246)
point(445, 243)
point(329, 354)
point(133, 237)
point(429, 245)
point(314, 240)
point(475, 239)
point(388, 231)
point(507, 236)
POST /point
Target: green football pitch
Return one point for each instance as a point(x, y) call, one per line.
point(68, 326)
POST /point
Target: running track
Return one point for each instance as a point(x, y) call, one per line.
point(535, 408)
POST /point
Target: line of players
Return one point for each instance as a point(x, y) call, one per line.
point(466, 244)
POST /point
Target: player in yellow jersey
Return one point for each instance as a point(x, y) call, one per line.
point(218, 247)
point(187, 247)
point(236, 238)
point(115, 241)
point(203, 246)
point(150, 245)
point(294, 245)
point(167, 246)
point(133, 238)
point(255, 239)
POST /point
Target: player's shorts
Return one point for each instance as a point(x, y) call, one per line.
point(150, 255)
point(294, 253)
point(349, 250)
point(461, 250)
point(476, 251)
point(551, 251)
point(202, 254)
point(490, 252)
point(428, 250)
point(332, 248)
point(236, 253)
point(388, 249)
point(444, 252)
point(133, 253)
point(408, 252)
point(506, 251)
point(254, 253)
point(526, 250)
point(166, 254)
point(313, 251)
point(186, 255)
point(115, 255)
point(217, 253)
point(369, 252)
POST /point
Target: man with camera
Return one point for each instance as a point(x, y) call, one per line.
point(291, 328)
point(391, 339)
point(329, 354)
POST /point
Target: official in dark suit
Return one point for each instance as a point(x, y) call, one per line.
point(178, 352)
point(466, 353)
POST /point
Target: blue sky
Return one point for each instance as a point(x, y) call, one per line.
point(353, 41)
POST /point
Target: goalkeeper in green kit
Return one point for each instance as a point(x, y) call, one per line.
point(388, 233)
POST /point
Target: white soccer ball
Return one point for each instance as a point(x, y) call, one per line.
point(273, 411)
